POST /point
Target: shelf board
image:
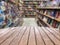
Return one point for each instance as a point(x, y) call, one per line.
point(45, 22)
point(58, 20)
point(30, 14)
point(48, 8)
point(51, 17)
point(36, 1)
point(48, 16)
point(29, 10)
point(31, 4)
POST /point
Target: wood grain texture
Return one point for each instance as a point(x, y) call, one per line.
point(29, 35)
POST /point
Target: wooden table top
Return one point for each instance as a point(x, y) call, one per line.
point(29, 36)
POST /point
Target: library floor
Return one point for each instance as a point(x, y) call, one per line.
point(29, 34)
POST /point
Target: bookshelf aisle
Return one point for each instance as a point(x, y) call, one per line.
point(11, 14)
point(29, 22)
point(14, 11)
point(29, 9)
point(48, 11)
point(50, 15)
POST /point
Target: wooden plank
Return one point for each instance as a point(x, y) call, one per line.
point(29, 36)
point(24, 40)
point(4, 35)
point(47, 41)
point(57, 31)
point(32, 37)
point(3, 30)
point(52, 38)
point(17, 39)
point(38, 37)
point(57, 19)
point(53, 33)
point(8, 40)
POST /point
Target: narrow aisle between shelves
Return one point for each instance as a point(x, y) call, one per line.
point(29, 22)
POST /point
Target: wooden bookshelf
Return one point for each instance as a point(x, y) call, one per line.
point(58, 20)
point(46, 15)
point(56, 8)
point(30, 15)
point(35, 1)
point(18, 17)
point(44, 22)
point(43, 15)
point(27, 10)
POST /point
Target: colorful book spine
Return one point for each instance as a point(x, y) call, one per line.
point(53, 13)
point(58, 15)
point(49, 21)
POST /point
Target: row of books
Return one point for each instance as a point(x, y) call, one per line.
point(29, 12)
point(42, 3)
point(34, 4)
point(16, 14)
point(31, 3)
point(9, 15)
point(53, 23)
point(52, 13)
point(35, 0)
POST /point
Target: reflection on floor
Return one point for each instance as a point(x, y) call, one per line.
point(29, 22)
